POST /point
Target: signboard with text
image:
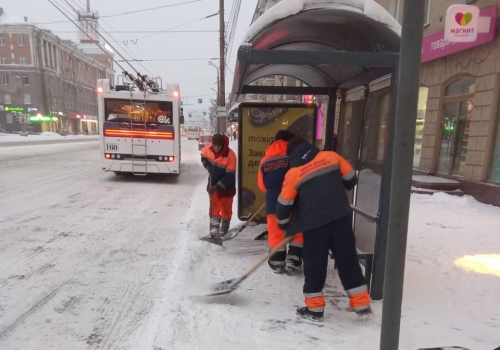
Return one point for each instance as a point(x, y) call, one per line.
point(435, 46)
point(258, 124)
point(462, 24)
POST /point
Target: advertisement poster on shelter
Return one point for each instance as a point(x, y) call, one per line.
point(259, 123)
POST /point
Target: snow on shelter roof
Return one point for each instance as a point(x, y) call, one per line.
point(321, 25)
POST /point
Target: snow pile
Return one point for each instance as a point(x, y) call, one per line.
point(52, 135)
point(288, 8)
point(45, 136)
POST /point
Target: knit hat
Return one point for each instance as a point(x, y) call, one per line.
point(284, 135)
point(218, 140)
point(293, 143)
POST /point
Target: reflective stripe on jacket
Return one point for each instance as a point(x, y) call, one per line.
point(272, 170)
point(314, 190)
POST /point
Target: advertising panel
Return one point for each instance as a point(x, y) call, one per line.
point(258, 124)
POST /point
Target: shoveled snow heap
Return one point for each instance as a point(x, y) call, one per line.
point(288, 8)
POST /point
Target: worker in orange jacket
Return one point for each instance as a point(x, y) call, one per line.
point(314, 201)
point(220, 162)
point(272, 170)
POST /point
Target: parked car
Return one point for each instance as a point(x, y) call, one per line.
point(204, 141)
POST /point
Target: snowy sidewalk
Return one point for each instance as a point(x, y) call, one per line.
point(9, 140)
point(444, 304)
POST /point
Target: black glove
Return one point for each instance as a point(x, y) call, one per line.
point(212, 190)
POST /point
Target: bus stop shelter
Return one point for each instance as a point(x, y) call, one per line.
point(333, 46)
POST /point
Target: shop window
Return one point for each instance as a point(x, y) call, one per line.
point(495, 162)
point(382, 134)
point(458, 106)
point(7, 98)
point(461, 87)
point(10, 118)
point(419, 127)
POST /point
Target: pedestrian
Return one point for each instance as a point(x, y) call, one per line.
point(272, 170)
point(314, 201)
point(220, 162)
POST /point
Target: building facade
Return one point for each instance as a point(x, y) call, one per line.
point(47, 82)
point(458, 119)
point(458, 129)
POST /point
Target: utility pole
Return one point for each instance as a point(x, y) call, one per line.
point(221, 111)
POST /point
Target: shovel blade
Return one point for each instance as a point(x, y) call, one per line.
point(225, 287)
point(231, 234)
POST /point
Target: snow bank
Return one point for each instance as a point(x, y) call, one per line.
point(45, 136)
point(288, 8)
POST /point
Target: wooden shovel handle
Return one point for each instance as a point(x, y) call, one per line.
point(252, 218)
point(268, 256)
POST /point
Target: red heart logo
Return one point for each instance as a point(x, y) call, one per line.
point(458, 18)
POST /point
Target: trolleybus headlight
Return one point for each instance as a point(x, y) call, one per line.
point(113, 156)
point(118, 156)
point(170, 159)
point(160, 158)
point(108, 156)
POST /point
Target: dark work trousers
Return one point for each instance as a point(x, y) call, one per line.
point(338, 237)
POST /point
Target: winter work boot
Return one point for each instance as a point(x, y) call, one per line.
point(277, 262)
point(294, 261)
point(364, 314)
point(224, 227)
point(294, 265)
point(215, 237)
point(215, 226)
point(304, 312)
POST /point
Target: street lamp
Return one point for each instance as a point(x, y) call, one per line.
point(210, 63)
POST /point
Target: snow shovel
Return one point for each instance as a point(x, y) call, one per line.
point(236, 231)
point(228, 286)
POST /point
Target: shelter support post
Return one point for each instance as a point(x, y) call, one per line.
point(381, 239)
point(402, 162)
point(330, 119)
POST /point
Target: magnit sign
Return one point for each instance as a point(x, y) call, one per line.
point(462, 24)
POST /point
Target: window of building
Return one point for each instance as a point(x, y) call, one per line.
point(495, 162)
point(25, 80)
point(20, 40)
point(382, 138)
point(419, 128)
point(2, 40)
point(10, 118)
point(7, 99)
point(427, 13)
point(23, 61)
point(3, 60)
point(27, 99)
point(458, 106)
point(5, 79)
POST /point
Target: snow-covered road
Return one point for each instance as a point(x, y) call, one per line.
point(86, 255)
point(90, 260)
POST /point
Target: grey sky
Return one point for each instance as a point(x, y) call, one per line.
point(196, 78)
